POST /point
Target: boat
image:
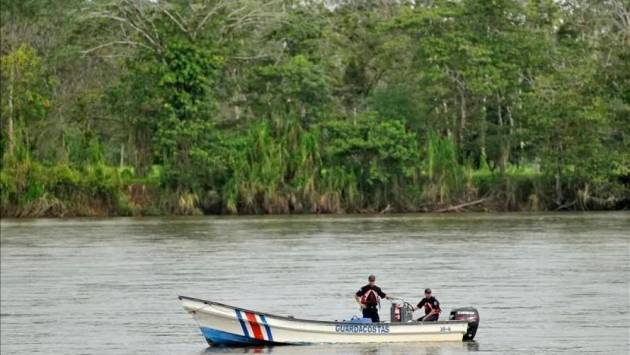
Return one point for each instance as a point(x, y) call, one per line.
point(222, 324)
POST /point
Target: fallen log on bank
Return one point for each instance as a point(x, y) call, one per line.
point(457, 207)
point(387, 209)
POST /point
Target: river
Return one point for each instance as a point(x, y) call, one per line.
point(543, 283)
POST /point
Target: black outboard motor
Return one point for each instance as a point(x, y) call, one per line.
point(469, 314)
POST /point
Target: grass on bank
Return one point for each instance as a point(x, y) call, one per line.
point(32, 189)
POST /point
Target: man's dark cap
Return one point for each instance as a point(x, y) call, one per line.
point(427, 290)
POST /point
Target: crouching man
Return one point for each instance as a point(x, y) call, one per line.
point(431, 307)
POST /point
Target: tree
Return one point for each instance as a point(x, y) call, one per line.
point(177, 54)
point(25, 102)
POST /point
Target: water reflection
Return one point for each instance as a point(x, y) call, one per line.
point(354, 349)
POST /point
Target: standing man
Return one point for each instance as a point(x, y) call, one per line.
point(369, 297)
point(431, 307)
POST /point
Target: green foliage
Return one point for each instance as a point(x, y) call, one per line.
point(400, 102)
point(184, 134)
point(24, 102)
point(376, 152)
point(445, 177)
point(297, 88)
point(30, 189)
point(186, 76)
point(126, 107)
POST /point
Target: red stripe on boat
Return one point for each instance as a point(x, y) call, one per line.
point(255, 326)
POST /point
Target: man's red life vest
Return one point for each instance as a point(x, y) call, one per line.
point(430, 305)
point(370, 298)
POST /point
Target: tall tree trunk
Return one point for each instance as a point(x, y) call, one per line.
point(462, 118)
point(558, 178)
point(447, 131)
point(500, 118)
point(482, 134)
point(506, 141)
point(132, 151)
point(122, 155)
point(10, 118)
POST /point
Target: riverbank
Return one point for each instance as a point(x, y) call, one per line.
point(34, 190)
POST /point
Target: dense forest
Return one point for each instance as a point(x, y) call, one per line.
point(148, 107)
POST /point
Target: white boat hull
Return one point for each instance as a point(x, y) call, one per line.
point(226, 325)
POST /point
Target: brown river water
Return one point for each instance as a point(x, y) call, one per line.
point(543, 283)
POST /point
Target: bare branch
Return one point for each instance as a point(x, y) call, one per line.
point(127, 21)
point(221, 4)
point(113, 43)
point(259, 56)
point(175, 21)
point(137, 22)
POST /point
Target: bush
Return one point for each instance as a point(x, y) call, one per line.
point(32, 189)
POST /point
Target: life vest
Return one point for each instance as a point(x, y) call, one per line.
point(371, 298)
point(428, 307)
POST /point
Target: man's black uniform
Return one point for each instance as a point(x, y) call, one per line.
point(429, 305)
point(370, 298)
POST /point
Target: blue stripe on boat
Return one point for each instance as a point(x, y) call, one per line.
point(264, 321)
point(240, 320)
point(218, 337)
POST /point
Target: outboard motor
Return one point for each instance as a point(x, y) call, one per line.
point(401, 312)
point(469, 314)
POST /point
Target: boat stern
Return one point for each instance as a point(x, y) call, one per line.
point(470, 315)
